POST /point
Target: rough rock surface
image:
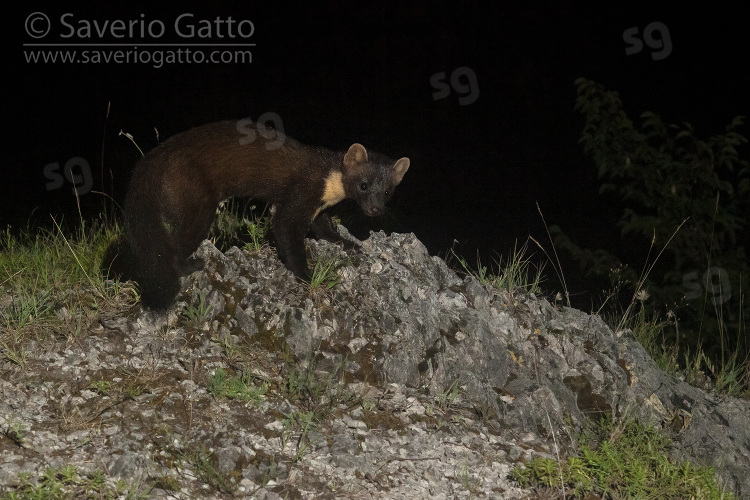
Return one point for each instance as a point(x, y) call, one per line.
point(435, 386)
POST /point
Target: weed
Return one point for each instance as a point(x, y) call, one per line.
point(318, 394)
point(66, 482)
point(197, 313)
point(50, 281)
point(232, 350)
point(324, 274)
point(132, 391)
point(447, 397)
point(257, 231)
point(14, 352)
point(512, 273)
point(16, 430)
point(176, 453)
point(623, 460)
point(26, 306)
point(298, 421)
point(239, 224)
point(101, 386)
point(236, 387)
point(204, 466)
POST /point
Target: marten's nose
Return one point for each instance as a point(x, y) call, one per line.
point(374, 211)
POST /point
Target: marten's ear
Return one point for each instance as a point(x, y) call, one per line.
point(399, 169)
point(356, 154)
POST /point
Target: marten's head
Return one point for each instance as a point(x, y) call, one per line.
point(371, 179)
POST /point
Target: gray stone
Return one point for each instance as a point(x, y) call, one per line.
point(432, 372)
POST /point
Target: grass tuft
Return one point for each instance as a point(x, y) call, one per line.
point(623, 460)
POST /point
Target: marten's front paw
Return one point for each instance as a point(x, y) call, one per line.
point(191, 265)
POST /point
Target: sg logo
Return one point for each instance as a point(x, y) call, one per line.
point(82, 181)
point(247, 129)
point(463, 80)
point(656, 36)
point(716, 282)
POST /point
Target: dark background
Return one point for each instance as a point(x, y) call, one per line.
point(344, 72)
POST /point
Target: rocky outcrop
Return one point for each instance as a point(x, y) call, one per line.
point(442, 385)
point(527, 367)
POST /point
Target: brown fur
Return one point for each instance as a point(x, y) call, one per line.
point(176, 188)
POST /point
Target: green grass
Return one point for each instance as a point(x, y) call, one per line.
point(324, 273)
point(623, 460)
point(15, 430)
point(240, 224)
point(298, 423)
point(67, 483)
point(257, 232)
point(51, 282)
point(511, 273)
point(319, 394)
point(197, 313)
point(728, 377)
point(204, 465)
point(240, 387)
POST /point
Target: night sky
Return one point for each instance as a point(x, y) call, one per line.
point(481, 98)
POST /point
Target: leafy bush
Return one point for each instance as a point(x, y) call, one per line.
point(683, 200)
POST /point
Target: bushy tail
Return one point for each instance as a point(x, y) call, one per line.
point(153, 266)
point(157, 268)
point(159, 283)
point(118, 261)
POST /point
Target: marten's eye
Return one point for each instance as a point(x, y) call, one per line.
point(363, 186)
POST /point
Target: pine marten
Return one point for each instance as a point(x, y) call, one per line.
point(176, 187)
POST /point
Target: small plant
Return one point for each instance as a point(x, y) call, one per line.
point(197, 313)
point(66, 482)
point(368, 405)
point(220, 385)
point(101, 386)
point(447, 397)
point(622, 460)
point(231, 348)
point(239, 224)
point(13, 352)
point(318, 392)
point(227, 225)
point(177, 453)
point(168, 482)
point(512, 273)
point(298, 421)
point(132, 391)
point(204, 466)
point(324, 275)
point(16, 431)
point(257, 231)
point(467, 479)
point(312, 392)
